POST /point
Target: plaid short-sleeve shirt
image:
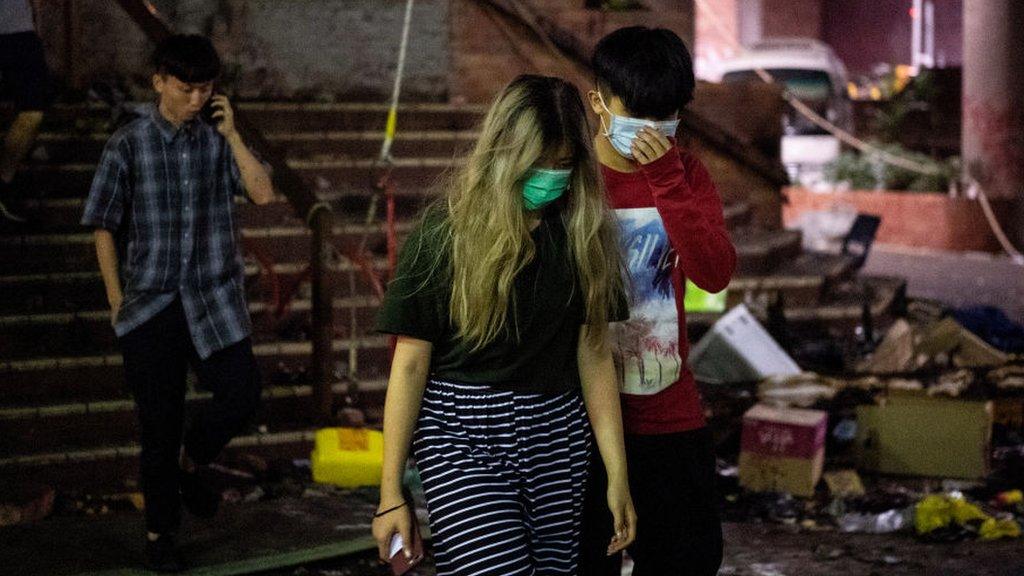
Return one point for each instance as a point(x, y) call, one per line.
point(167, 194)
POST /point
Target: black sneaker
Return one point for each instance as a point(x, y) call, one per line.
point(197, 496)
point(162, 555)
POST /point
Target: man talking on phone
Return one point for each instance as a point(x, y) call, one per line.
point(162, 204)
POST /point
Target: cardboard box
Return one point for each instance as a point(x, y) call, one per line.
point(1009, 412)
point(782, 449)
point(739, 349)
point(917, 435)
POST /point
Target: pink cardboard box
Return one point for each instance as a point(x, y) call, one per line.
point(782, 449)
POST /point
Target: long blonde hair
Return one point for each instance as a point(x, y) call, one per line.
point(485, 227)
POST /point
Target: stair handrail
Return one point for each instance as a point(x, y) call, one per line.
point(567, 46)
point(317, 215)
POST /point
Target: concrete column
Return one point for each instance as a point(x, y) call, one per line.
point(751, 21)
point(993, 103)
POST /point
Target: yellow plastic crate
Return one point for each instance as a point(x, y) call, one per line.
point(348, 457)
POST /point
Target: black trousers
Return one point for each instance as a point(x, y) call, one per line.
point(672, 481)
point(156, 358)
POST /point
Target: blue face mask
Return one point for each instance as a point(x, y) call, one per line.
point(543, 186)
point(622, 130)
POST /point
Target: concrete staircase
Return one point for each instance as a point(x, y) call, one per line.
point(65, 416)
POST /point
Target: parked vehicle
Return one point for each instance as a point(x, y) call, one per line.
point(812, 72)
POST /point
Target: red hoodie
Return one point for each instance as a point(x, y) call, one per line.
point(651, 348)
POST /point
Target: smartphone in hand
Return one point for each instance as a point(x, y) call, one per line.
point(399, 563)
point(206, 114)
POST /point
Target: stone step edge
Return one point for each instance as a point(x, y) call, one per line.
point(63, 239)
point(127, 405)
point(79, 202)
point(264, 350)
point(328, 162)
point(886, 287)
point(132, 450)
point(50, 136)
point(889, 290)
point(741, 285)
point(282, 105)
point(379, 263)
point(298, 305)
point(783, 237)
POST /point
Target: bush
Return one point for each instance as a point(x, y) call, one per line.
point(866, 172)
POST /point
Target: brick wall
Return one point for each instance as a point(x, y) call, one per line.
point(309, 49)
point(486, 54)
point(717, 35)
point(791, 18)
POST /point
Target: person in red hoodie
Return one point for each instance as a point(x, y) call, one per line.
point(671, 229)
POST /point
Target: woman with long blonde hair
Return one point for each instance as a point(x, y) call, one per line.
point(501, 303)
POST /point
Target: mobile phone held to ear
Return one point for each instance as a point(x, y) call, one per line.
point(399, 563)
point(206, 114)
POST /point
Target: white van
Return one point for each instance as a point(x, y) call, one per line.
point(812, 72)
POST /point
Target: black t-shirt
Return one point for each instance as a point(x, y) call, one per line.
point(546, 306)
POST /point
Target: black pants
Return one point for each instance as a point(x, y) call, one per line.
point(156, 358)
point(672, 481)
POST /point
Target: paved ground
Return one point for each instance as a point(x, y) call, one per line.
point(772, 550)
point(245, 538)
point(956, 279)
point(248, 537)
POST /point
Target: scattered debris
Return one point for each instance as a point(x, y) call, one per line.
point(882, 523)
point(25, 503)
point(908, 348)
point(1008, 377)
point(802, 390)
point(993, 326)
point(767, 569)
point(844, 484)
point(952, 384)
point(952, 512)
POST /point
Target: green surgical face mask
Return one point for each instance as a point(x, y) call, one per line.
point(543, 186)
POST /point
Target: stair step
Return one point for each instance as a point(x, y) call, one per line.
point(62, 215)
point(75, 292)
point(759, 252)
point(95, 377)
point(115, 467)
point(762, 251)
point(68, 147)
point(270, 117)
point(797, 290)
point(737, 214)
point(77, 426)
point(76, 252)
point(838, 315)
point(412, 176)
point(89, 332)
point(283, 116)
point(90, 378)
